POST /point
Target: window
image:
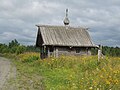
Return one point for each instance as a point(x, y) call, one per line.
point(78, 50)
point(51, 49)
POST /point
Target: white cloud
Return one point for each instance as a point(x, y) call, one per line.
point(19, 17)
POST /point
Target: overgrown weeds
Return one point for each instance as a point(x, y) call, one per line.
point(77, 73)
point(67, 72)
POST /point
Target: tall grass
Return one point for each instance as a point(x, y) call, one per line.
point(73, 73)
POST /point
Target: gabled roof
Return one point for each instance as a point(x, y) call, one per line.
point(63, 36)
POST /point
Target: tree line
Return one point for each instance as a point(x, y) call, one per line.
point(15, 47)
point(108, 51)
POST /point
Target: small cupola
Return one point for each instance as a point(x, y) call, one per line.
point(66, 20)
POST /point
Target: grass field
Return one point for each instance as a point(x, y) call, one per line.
point(67, 72)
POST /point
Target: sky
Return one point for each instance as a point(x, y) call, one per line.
point(19, 17)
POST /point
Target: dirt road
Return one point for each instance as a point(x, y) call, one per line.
point(7, 74)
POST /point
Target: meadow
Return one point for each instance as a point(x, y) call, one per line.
point(67, 72)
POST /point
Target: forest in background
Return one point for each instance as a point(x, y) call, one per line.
point(15, 47)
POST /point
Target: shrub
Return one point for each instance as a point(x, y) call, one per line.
point(20, 49)
point(29, 56)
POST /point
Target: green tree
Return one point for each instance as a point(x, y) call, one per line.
point(13, 43)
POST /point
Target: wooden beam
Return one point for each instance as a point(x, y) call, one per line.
point(56, 52)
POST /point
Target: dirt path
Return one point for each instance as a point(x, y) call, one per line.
point(7, 74)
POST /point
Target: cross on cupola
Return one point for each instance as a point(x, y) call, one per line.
point(66, 20)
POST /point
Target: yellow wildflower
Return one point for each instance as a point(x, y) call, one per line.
point(103, 70)
point(116, 71)
point(101, 76)
point(116, 81)
point(95, 83)
point(90, 88)
point(98, 89)
point(107, 82)
point(109, 76)
point(111, 69)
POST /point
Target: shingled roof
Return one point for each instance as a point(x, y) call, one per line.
point(63, 36)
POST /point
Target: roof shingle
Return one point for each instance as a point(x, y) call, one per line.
point(65, 36)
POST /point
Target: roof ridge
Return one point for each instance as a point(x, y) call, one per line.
point(61, 26)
